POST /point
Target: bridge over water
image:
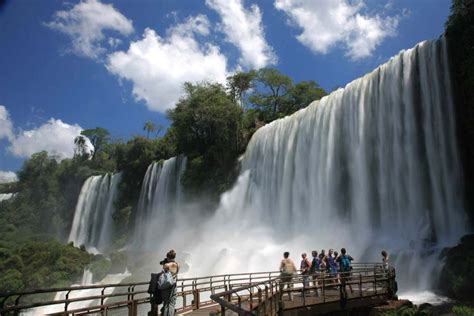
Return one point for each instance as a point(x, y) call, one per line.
point(258, 293)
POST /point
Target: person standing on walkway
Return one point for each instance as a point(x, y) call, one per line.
point(305, 266)
point(332, 266)
point(385, 261)
point(344, 261)
point(287, 270)
point(169, 295)
point(314, 270)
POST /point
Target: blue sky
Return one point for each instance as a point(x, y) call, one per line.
point(73, 65)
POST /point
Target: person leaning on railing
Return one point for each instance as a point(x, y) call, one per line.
point(287, 271)
point(169, 293)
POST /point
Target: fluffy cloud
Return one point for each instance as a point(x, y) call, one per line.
point(325, 23)
point(6, 125)
point(8, 176)
point(54, 136)
point(158, 67)
point(85, 24)
point(243, 28)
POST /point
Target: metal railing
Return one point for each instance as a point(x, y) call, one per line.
point(192, 294)
point(271, 296)
point(237, 292)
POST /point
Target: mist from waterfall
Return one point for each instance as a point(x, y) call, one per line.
point(372, 166)
point(93, 223)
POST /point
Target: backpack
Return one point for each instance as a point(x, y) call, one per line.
point(165, 281)
point(345, 263)
point(314, 266)
point(153, 288)
point(287, 267)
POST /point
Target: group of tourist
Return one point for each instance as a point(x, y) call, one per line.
point(337, 266)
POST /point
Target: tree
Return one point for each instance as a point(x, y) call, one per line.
point(301, 95)
point(271, 97)
point(238, 84)
point(206, 125)
point(98, 136)
point(149, 127)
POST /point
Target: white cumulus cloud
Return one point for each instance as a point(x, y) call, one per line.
point(85, 24)
point(159, 66)
point(8, 176)
point(6, 125)
point(56, 137)
point(326, 23)
point(244, 28)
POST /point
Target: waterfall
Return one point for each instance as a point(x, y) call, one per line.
point(6, 196)
point(371, 166)
point(92, 225)
point(160, 197)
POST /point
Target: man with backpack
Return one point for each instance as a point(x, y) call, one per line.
point(314, 270)
point(287, 270)
point(345, 267)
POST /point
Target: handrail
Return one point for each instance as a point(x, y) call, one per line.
point(376, 280)
point(136, 294)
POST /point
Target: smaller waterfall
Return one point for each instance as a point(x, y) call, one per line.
point(160, 197)
point(6, 196)
point(92, 225)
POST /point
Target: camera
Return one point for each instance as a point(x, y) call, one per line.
point(164, 261)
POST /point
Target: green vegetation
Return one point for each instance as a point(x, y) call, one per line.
point(28, 263)
point(462, 310)
point(211, 124)
point(460, 35)
point(457, 276)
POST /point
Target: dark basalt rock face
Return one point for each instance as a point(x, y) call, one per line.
point(457, 276)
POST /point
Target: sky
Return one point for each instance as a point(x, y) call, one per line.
point(71, 65)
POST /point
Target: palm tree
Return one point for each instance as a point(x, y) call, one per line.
point(149, 127)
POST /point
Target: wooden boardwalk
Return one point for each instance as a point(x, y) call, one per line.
point(232, 294)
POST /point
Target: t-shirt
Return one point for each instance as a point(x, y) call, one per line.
point(287, 266)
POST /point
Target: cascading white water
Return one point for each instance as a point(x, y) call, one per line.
point(160, 197)
point(6, 196)
point(92, 225)
point(372, 166)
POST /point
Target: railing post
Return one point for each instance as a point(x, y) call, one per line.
point(360, 285)
point(102, 299)
point(222, 310)
point(196, 299)
point(67, 302)
point(132, 308)
point(375, 282)
point(324, 288)
point(17, 302)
